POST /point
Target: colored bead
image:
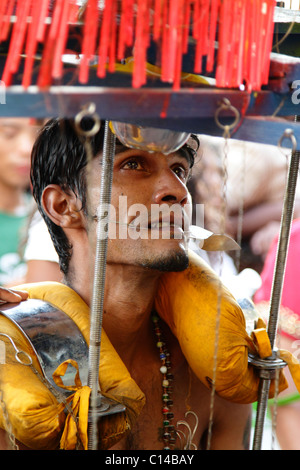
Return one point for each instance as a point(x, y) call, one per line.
point(169, 429)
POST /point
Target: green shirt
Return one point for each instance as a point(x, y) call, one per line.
point(12, 229)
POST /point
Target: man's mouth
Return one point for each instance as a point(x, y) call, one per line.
point(161, 224)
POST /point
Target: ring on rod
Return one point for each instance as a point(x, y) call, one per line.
point(89, 110)
point(226, 105)
point(288, 134)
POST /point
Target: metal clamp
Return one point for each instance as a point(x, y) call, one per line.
point(267, 367)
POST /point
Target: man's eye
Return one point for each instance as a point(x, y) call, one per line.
point(132, 165)
point(181, 172)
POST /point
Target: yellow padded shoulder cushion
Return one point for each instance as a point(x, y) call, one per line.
point(36, 416)
point(189, 303)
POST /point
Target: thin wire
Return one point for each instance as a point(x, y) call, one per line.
point(226, 135)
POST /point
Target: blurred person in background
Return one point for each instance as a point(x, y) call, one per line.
point(26, 251)
point(254, 186)
point(17, 136)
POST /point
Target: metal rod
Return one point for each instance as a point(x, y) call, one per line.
point(287, 218)
point(284, 236)
point(99, 284)
point(262, 404)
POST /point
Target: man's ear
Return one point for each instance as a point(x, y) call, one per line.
point(62, 208)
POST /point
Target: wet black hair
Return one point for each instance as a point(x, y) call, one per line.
point(59, 157)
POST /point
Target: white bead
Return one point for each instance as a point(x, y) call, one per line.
point(165, 383)
point(163, 369)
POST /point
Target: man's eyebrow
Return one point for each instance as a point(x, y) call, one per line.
point(184, 152)
point(187, 154)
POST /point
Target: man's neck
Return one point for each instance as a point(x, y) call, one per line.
point(128, 302)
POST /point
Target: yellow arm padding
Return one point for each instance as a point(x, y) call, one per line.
point(188, 303)
point(29, 403)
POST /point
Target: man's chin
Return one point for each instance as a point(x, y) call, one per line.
point(171, 262)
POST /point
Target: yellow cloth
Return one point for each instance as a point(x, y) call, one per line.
point(37, 417)
point(155, 71)
point(188, 302)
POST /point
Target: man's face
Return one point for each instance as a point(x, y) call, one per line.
point(150, 209)
point(17, 136)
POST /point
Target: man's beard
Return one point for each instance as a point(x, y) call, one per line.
point(173, 262)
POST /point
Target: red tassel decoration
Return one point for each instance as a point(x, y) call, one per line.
point(140, 46)
point(243, 29)
point(3, 6)
point(8, 11)
point(45, 74)
point(201, 33)
point(89, 39)
point(31, 43)
point(268, 34)
point(44, 7)
point(126, 27)
point(107, 19)
point(61, 39)
point(17, 41)
point(113, 41)
point(186, 26)
point(214, 11)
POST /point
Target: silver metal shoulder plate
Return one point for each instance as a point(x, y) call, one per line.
point(54, 337)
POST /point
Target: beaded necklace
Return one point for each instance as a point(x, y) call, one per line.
point(169, 431)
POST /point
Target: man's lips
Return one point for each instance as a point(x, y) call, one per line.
point(164, 224)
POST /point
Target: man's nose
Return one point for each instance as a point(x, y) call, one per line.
point(170, 189)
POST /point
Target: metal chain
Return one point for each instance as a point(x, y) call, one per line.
point(7, 424)
point(226, 135)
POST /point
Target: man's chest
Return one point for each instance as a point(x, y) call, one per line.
point(175, 424)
